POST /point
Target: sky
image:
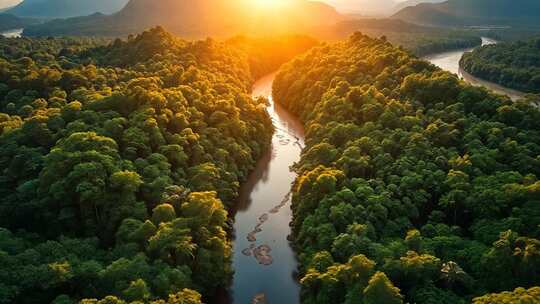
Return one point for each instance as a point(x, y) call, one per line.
point(366, 6)
point(8, 3)
point(342, 5)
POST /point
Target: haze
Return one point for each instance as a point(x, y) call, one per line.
point(365, 6)
point(345, 6)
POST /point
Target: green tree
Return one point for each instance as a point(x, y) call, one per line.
point(380, 290)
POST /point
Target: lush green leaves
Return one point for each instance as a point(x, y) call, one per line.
point(120, 160)
point(414, 170)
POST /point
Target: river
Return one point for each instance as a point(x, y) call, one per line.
point(15, 33)
point(449, 61)
point(265, 264)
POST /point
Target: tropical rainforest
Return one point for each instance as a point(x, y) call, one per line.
point(521, 14)
point(514, 65)
point(413, 187)
point(126, 152)
point(421, 40)
point(121, 161)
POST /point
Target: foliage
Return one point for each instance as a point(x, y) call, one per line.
point(477, 13)
point(120, 162)
point(413, 174)
point(519, 295)
point(514, 64)
point(420, 40)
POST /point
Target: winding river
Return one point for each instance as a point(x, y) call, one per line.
point(264, 262)
point(450, 61)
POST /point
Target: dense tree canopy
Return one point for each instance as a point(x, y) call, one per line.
point(420, 40)
point(119, 162)
point(513, 64)
point(413, 186)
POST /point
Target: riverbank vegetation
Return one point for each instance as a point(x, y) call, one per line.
point(120, 161)
point(413, 186)
point(514, 65)
point(420, 40)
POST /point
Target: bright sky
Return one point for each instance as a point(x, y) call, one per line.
point(8, 3)
point(345, 5)
point(363, 5)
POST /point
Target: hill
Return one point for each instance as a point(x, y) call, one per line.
point(420, 40)
point(364, 7)
point(8, 22)
point(195, 19)
point(65, 8)
point(515, 13)
point(410, 3)
point(514, 64)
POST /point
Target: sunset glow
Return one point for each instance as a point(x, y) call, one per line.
point(270, 3)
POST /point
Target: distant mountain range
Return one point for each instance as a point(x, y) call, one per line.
point(65, 8)
point(409, 3)
point(9, 22)
point(194, 18)
point(377, 8)
point(515, 13)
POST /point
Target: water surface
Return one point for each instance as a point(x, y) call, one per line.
point(264, 262)
point(449, 61)
point(15, 33)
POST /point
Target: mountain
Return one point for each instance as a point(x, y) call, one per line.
point(409, 3)
point(65, 8)
point(515, 13)
point(364, 7)
point(196, 18)
point(9, 22)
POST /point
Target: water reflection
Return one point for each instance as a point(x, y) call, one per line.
point(264, 262)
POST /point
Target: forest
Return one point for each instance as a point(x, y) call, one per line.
point(420, 40)
point(514, 65)
point(121, 160)
point(406, 194)
point(476, 13)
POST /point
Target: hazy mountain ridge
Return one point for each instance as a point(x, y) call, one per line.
point(192, 19)
point(518, 13)
point(9, 21)
point(410, 3)
point(65, 8)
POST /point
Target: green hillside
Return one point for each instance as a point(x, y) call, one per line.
point(515, 13)
point(413, 187)
point(65, 8)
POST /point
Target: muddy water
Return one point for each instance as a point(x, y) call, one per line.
point(264, 261)
point(450, 61)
